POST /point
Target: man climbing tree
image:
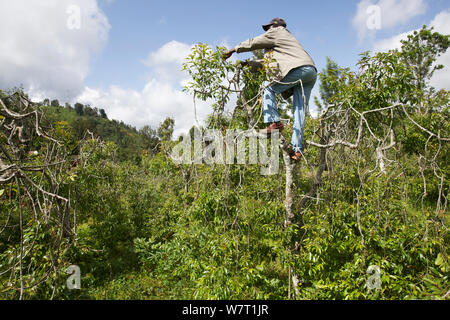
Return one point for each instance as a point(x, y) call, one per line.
point(293, 72)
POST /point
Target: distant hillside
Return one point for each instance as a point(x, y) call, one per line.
point(131, 142)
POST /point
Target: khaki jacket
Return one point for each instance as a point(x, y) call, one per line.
point(287, 52)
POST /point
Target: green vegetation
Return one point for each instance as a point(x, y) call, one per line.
point(82, 118)
point(373, 191)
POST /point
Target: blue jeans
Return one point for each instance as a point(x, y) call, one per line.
point(308, 75)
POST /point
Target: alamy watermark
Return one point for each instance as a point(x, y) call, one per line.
point(373, 21)
point(374, 281)
point(212, 147)
point(74, 17)
point(74, 280)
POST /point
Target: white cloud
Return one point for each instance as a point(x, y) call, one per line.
point(392, 13)
point(441, 78)
point(391, 43)
point(441, 24)
point(150, 106)
point(161, 97)
point(39, 51)
point(171, 52)
point(166, 63)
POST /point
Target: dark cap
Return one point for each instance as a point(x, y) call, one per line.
point(275, 22)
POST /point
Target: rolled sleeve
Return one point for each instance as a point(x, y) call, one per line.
point(264, 41)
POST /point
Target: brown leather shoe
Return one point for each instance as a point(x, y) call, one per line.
point(296, 156)
point(271, 127)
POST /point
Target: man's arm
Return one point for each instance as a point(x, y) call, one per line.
point(264, 41)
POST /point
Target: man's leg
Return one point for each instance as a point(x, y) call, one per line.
point(269, 97)
point(270, 105)
point(309, 77)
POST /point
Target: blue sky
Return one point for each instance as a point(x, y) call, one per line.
point(140, 26)
point(126, 55)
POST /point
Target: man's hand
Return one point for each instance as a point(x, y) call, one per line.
point(228, 54)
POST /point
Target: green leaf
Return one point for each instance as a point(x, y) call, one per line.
point(440, 261)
